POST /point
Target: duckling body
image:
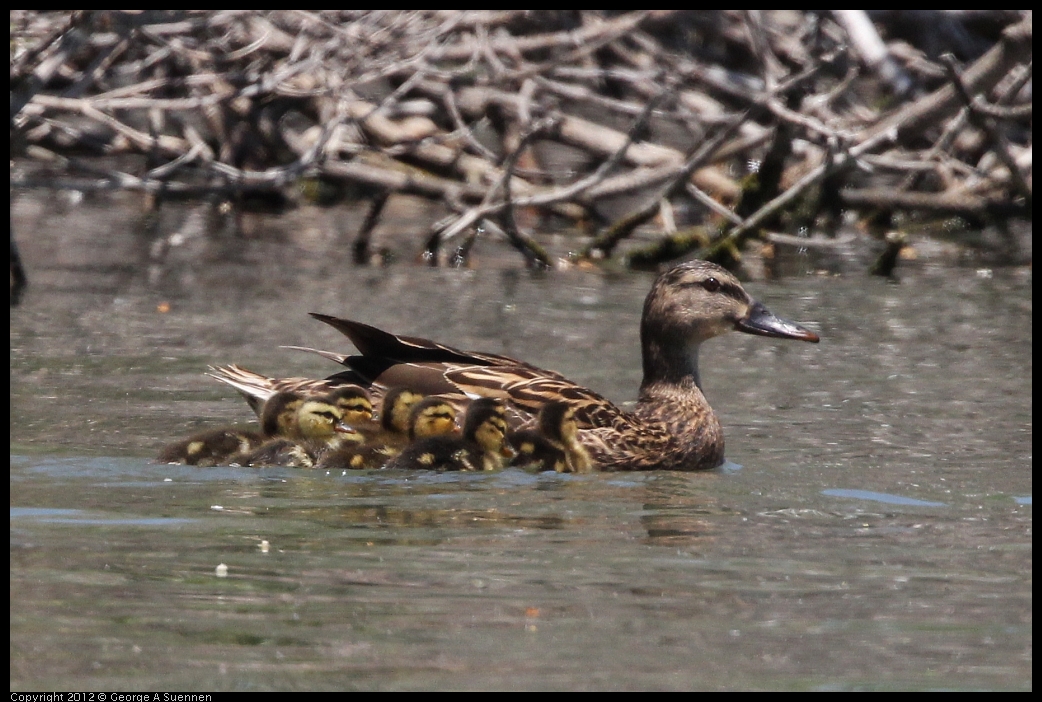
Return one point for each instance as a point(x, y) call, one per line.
point(216, 446)
point(554, 444)
point(536, 453)
point(210, 448)
point(672, 427)
point(482, 447)
point(294, 453)
point(360, 457)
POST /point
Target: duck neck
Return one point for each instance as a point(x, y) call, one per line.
point(669, 363)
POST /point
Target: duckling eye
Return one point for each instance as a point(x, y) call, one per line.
point(711, 284)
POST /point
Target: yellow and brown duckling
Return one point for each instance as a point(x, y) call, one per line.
point(482, 447)
point(319, 427)
point(214, 447)
point(672, 426)
point(553, 444)
point(431, 416)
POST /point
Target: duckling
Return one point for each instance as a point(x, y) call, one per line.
point(319, 428)
point(431, 416)
point(215, 446)
point(557, 423)
point(482, 447)
point(210, 448)
point(553, 444)
point(322, 418)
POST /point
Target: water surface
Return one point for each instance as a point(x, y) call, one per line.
point(872, 532)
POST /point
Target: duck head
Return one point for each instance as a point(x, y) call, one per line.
point(691, 303)
point(354, 403)
point(279, 416)
point(320, 418)
point(431, 416)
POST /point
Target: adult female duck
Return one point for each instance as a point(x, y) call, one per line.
point(672, 427)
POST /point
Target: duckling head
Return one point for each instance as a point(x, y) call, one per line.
point(432, 416)
point(396, 408)
point(279, 416)
point(354, 403)
point(320, 418)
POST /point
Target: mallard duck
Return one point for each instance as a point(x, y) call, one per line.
point(672, 426)
point(209, 448)
point(319, 427)
point(554, 443)
point(431, 416)
point(483, 445)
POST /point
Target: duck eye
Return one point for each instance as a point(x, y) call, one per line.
point(711, 284)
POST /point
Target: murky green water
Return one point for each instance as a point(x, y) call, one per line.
point(878, 534)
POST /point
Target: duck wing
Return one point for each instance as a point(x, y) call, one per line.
point(380, 350)
point(391, 360)
point(527, 391)
point(258, 389)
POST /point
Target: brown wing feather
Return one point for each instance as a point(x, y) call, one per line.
point(528, 391)
point(375, 344)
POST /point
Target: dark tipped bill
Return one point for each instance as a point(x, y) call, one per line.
point(761, 321)
point(342, 428)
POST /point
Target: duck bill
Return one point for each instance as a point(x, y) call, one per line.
point(762, 322)
point(341, 428)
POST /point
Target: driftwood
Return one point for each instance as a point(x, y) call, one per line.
point(749, 123)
